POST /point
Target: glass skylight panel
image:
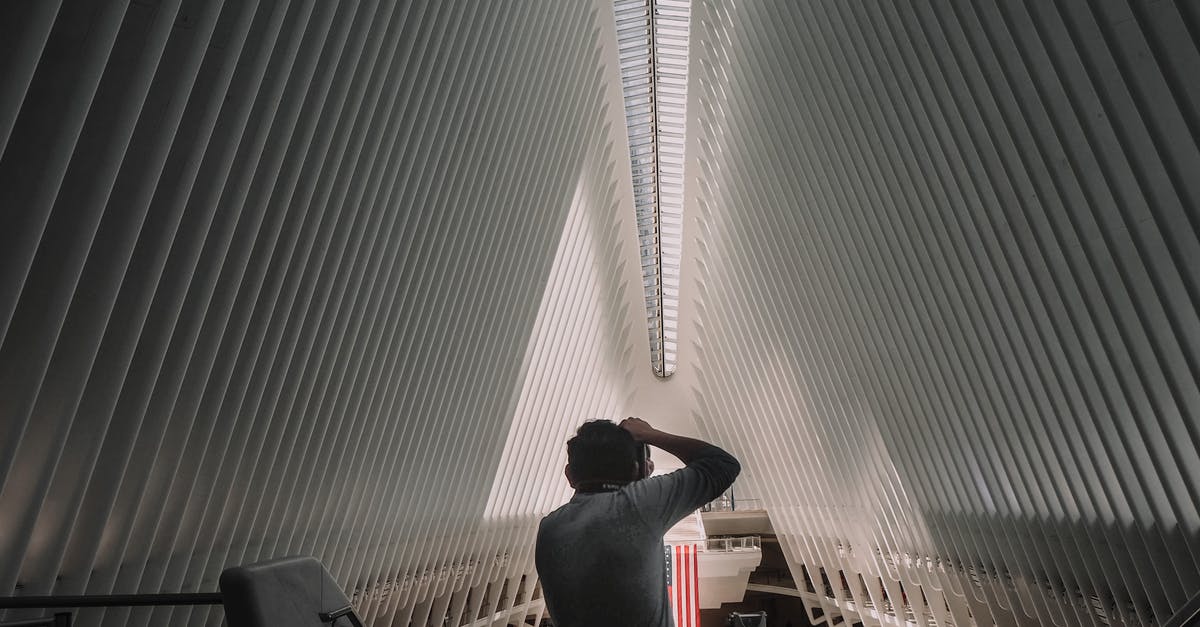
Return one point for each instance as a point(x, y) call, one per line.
point(652, 40)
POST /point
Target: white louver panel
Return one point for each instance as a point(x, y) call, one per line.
point(569, 381)
point(652, 38)
point(275, 278)
point(948, 283)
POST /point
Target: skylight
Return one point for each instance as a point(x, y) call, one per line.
point(652, 39)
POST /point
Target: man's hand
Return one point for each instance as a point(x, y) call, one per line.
point(686, 449)
point(638, 428)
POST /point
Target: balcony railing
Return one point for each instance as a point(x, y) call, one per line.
point(729, 545)
point(727, 503)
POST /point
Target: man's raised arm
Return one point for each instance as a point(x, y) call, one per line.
point(686, 449)
point(709, 472)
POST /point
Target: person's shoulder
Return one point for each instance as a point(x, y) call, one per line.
point(656, 487)
point(559, 515)
point(552, 516)
point(547, 525)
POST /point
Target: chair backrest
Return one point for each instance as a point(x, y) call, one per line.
point(285, 592)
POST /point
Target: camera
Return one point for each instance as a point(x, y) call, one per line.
point(643, 460)
point(739, 619)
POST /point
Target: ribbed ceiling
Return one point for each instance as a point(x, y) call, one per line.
point(278, 276)
point(339, 278)
point(947, 271)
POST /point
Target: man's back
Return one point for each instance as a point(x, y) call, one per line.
point(600, 556)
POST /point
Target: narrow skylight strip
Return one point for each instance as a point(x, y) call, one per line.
point(652, 39)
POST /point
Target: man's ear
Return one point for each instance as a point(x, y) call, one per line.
point(570, 477)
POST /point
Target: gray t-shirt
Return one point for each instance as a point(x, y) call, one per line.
point(600, 556)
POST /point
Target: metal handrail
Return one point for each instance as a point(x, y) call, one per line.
point(729, 503)
point(739, 505)
point(110, 600)
point(729, 545)
point(60, 619)
point(63, 619)
point(1186, 616)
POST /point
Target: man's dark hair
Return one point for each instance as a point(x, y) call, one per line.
point(601, 451)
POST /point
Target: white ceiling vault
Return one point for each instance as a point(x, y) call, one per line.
point(339, 278)
point(945, 277)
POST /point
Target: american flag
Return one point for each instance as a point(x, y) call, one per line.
point(683, 584)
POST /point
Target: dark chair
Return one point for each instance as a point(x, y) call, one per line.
point(285, 592)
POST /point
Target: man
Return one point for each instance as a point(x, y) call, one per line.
point(600, 556)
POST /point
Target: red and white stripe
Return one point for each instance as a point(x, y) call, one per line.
point(684, 588)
